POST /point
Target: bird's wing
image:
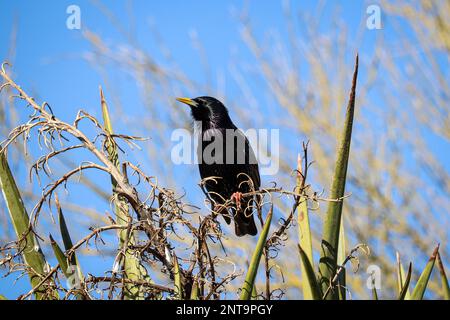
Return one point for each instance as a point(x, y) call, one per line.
point(250, 161)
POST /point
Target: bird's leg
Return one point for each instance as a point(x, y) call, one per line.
point(237, 196)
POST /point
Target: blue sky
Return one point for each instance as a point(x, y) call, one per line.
point(49, 55)
point(45, 47)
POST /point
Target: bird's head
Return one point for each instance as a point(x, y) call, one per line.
point(209, 111)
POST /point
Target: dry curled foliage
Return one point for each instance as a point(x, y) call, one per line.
point(160, 218)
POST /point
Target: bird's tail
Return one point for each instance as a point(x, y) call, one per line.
point(244, 224)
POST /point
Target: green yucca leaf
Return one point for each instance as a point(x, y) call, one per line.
point(178, 289)
point(112, 150)
point(32, 253)
point(71, 268)
point(340, 261)
point(422, 283)
point(195, 290)
point(341, 255)
point(256, 258)
point(131, 265)
point(110, 145)
point(341, 284)
point(73, 260)
point(304, 233)
point(63, 226)
point(331, 229)
point(254, 293)
point(405, 284)
point(401, 279)
point(61, 258)
point(444, 280)
point(374, 293)
point(316, 292)
point(70, 271)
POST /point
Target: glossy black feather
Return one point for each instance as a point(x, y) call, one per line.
point(233, 171)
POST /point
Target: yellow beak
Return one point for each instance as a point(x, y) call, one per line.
point(188, 101)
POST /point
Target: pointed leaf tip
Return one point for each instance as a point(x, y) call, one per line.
point(404, 289)
point(333, 218)
point(421, 285)
point(435, 252)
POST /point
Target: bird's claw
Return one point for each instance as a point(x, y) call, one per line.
point(237, 196)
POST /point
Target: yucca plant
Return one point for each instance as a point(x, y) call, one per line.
point(29, 248)
point(147, 229)
point(129, 258)
point(329, 282)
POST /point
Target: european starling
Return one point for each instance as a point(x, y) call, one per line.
point(227, 159)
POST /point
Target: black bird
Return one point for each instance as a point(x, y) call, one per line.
point(226, 157)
